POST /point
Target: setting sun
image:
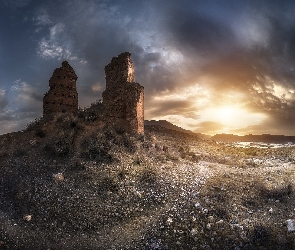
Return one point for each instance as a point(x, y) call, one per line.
point(227, 114)
point(229, 118)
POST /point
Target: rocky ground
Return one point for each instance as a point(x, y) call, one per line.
point(87, 187)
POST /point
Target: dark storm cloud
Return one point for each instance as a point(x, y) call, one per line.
point(237, 46)
point(236, 66)
point(16, 3)
point(196, 33)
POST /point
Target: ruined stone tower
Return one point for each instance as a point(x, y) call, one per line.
point(123, 98)
point(62, 95)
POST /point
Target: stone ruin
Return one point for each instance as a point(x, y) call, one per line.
point(62, 96)
point(122, 99)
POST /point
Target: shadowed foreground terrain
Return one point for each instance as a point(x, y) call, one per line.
point(75, 184)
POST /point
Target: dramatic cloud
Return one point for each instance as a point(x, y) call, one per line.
point(194, 58)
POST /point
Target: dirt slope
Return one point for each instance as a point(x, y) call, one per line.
point(72, 184)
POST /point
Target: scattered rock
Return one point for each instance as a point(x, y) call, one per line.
point(194, 231)
point(220, 222)
point(28, 217)
point(198, 205)
point(211, 219)
point(234, 221)
point(290, 225)
point(169, 221)
point(59, 177)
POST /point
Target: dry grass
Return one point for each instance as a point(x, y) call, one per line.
point(166, 191)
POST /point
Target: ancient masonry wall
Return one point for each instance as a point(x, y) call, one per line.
point(62, 95)
point(123, 98)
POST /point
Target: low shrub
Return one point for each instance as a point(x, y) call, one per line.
point(108, 184)
point(96, 147)
point(57, 147)
point(40, 133)
point(19, 152)
point(148, 177)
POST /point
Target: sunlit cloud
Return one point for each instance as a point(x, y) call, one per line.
point(49, 49)
point(231, 117)
point(56, 46)
point(207, 66)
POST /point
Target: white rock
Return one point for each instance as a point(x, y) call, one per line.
point(194, 231)
point(198, 205)
point(220, 222)
point(291, 225)
point(169, 221)
point(28, 217)
point(205, 210)
point(211, 219)
point(59, 177)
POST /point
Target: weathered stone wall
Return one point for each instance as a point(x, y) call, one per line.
point(123, 98)
point(120, 70)
point(62, 95)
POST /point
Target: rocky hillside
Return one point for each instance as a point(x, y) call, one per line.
point(72, 183)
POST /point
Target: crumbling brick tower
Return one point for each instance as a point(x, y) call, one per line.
point(62, 96)
point(123, 98)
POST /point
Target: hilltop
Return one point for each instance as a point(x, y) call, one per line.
point(98, 178)
point(75, 183)
point(169, 125)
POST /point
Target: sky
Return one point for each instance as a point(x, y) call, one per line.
point(223, 66)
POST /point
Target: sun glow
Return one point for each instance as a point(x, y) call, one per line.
point(228, 114)
point(199, 110)
point(231, 118)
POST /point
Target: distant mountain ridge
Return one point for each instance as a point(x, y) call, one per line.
point(266, 138)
